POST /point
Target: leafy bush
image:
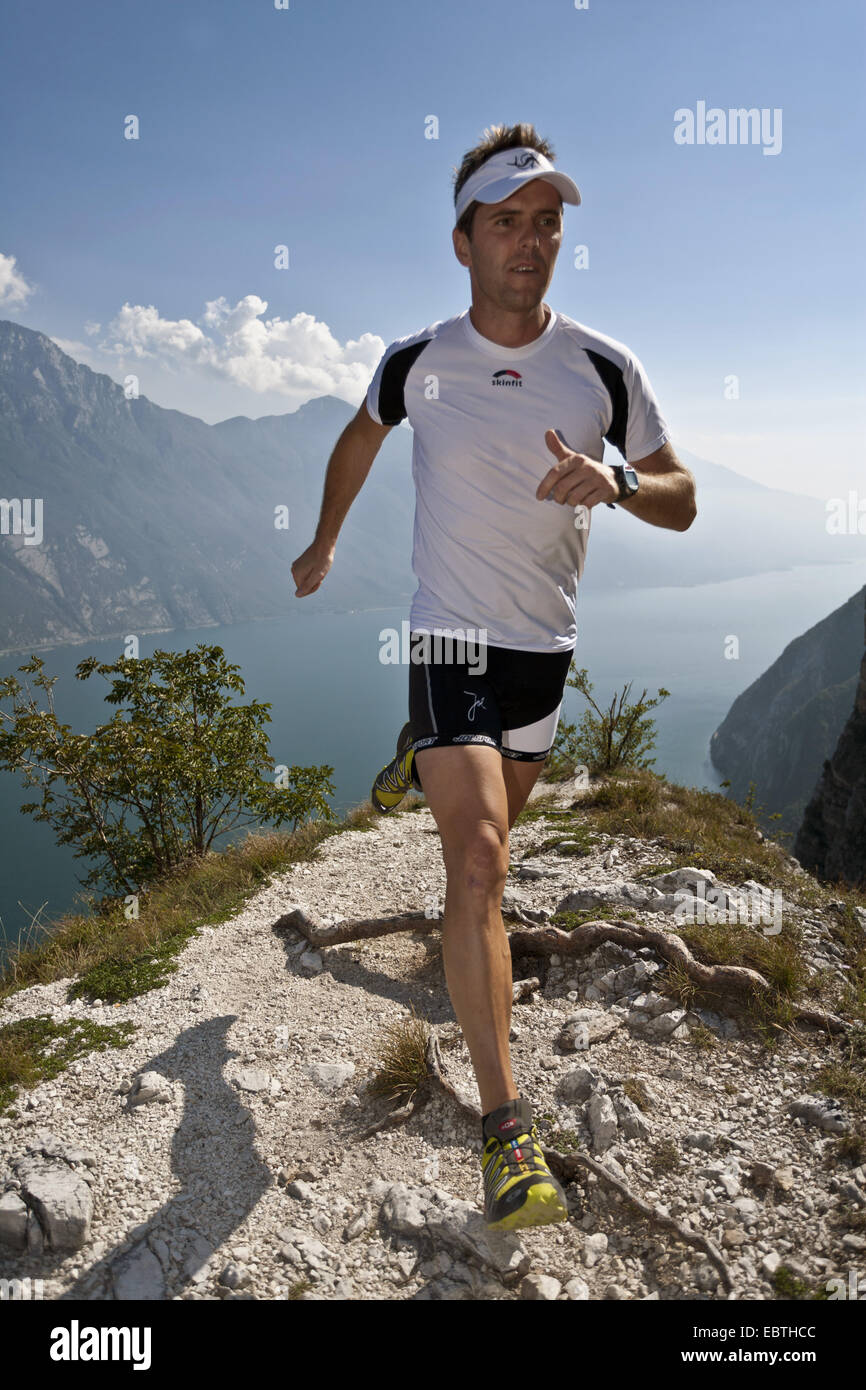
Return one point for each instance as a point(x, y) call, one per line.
point(620, 736)
point(151, 789)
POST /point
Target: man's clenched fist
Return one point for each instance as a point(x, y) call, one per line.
point(576, 480)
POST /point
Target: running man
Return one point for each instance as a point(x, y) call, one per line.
point(510, 403)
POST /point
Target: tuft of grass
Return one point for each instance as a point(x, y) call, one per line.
point(551, 1136)
point(851, 1147)
point(564, 1140)
point(402, 1060)
point(36, 1049)
point(854, 988)
point(665, 1157)
point(837, 1079)
point(637, 1092)
point(703, 1038)
point(673, 981)
point(787, 1285)
point(300, 1286)
point(632, 791)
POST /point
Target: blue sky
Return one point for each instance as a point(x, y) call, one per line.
point(306, 127)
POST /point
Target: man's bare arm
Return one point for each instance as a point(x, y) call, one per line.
point(666, 496)
point(348, 466)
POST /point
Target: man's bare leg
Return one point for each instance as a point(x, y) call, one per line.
point(474, 803)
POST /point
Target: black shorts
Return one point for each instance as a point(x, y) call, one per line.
point(513, 706)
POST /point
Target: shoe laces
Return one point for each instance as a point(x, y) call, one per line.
point(526, 1144)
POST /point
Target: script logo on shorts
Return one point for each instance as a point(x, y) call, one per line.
point(507, 377)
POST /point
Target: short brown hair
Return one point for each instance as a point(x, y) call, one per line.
point(495, 138)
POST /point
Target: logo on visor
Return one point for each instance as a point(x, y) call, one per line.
point(523, 161)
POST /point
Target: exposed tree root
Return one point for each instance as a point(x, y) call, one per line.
point(355, 929)
point(736, 982)
point(399, 1117)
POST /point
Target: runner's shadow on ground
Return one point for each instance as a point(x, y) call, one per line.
point(213, 1156)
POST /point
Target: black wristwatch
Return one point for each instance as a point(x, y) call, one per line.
point(627, 480)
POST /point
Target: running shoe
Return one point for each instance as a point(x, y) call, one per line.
point(394, 781)
point(519, 1188)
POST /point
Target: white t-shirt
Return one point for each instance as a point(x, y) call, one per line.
point(487, 553)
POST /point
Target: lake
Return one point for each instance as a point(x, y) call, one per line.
point(334, 702)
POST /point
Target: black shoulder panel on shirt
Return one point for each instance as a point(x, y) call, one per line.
point(611, 375)
point(392, 404)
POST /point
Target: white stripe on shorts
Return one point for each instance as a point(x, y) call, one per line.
point(533, 738)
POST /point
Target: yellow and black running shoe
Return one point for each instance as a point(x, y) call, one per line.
point(519, 1188)
point(394, 781)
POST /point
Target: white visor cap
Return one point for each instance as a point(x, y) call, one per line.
point(503, 173)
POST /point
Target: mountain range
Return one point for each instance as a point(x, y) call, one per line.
point(154, 520)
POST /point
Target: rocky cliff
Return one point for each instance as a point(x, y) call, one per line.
point(832, 839)
point(780, 730)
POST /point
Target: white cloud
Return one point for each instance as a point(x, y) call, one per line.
point(14, 289)
point(81, 352)
point(298, 357)
point(141, 332)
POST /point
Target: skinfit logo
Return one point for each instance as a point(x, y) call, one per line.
point(507, 377)
point(523, 161)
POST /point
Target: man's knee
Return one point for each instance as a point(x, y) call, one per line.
point(466, 794)
point(478, 856)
